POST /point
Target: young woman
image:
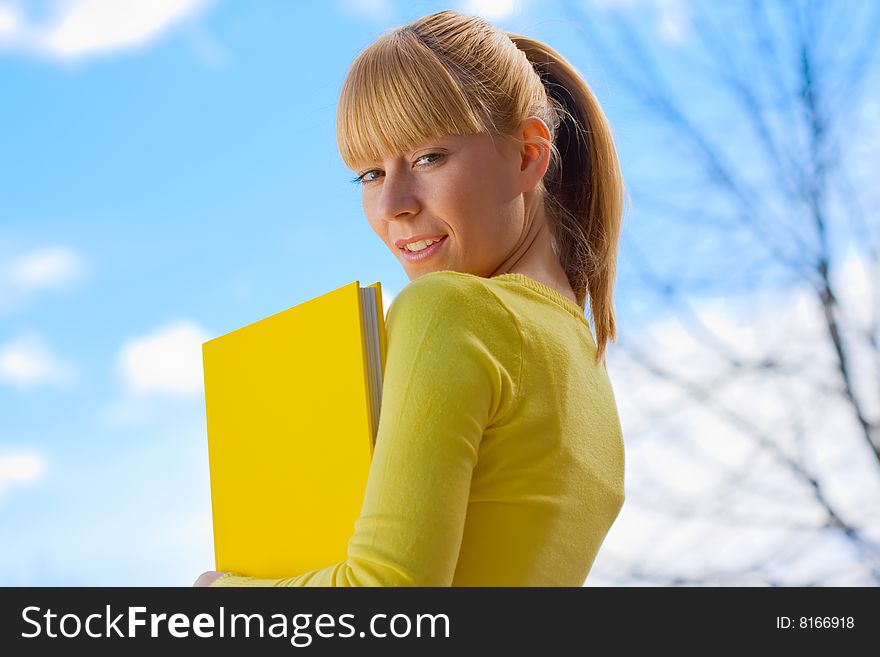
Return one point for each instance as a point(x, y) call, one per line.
point(489, 170)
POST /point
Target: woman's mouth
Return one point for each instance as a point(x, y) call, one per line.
point(424, 254)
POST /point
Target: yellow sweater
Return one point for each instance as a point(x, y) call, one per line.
point(499, 459)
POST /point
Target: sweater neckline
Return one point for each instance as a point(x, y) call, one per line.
point(546, 291)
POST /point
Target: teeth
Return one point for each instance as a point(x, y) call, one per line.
point(421, 244)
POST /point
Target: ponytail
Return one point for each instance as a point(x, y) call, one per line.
point(583, 186)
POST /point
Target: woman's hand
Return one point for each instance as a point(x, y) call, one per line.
point(207, 577)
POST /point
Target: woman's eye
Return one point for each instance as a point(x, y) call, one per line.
point(364, 177)
point(439, 155)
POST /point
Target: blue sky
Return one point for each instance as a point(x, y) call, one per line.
point(168, 174)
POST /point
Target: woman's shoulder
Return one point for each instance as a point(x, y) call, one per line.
point(447, 278)
point(450, 290)
point(455, 298)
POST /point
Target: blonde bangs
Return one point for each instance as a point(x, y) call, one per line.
point(398, 95)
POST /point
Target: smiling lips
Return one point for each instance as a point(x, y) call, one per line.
point(401, 244)
point(424, 253)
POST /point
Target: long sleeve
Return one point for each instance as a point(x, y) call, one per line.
point(445, 382)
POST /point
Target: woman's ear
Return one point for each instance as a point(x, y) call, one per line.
point(534, 152)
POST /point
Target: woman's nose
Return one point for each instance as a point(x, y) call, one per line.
point(397, 198)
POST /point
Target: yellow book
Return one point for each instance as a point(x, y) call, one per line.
point(292, 404)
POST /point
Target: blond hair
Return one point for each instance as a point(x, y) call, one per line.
point(453, 74)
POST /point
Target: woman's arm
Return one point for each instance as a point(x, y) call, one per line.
point(443, 385)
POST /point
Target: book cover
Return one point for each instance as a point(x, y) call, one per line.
point(292, 405)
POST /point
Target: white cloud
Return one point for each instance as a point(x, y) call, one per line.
point(378, 10)
point(21, 468)
point(161, 374)
point(673, 20)
point(78, 28)
point(673, 17)
point(492, 10)
point(44, 268)
point(54, 266)
point(10, 22)
point(168, 360)
point(27, 361)
point(382, 11)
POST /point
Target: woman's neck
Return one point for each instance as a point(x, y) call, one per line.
point(536, 259)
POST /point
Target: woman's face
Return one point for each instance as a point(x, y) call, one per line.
point(458, 188)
